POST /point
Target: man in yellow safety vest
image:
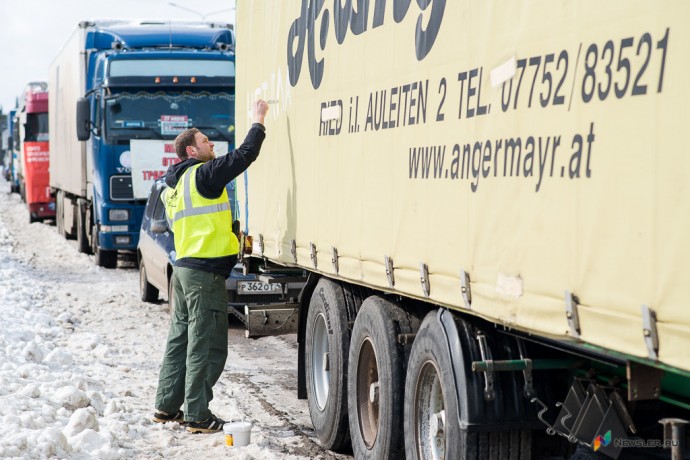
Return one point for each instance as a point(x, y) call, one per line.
point(197, 205)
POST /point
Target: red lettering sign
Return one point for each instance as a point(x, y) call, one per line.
point(167, 161)
point(152, 175)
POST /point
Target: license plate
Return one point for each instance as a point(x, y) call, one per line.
point(257, 287)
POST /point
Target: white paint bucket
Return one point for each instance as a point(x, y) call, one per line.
point(237, 433)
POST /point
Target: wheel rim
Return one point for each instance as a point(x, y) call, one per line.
point(368, 393)
point(320, 362)
point(429, 417)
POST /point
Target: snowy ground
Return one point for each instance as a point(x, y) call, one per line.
point(79, 360)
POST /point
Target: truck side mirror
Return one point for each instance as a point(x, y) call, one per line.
point(83, 119)
point(158, 226)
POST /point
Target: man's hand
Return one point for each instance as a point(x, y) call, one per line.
point(259, 109)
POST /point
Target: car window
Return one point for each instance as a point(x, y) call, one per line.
point(153, 198)
point(149, 206)
point(159, 210)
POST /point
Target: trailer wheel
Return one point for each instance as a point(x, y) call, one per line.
point(60, 216)
point(105, 259)
point(326, 350)
point(376, 379)
point(432, 429)
point(431, 404)
point(147, 291)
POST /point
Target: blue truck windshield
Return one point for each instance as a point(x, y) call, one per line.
point(159, 115)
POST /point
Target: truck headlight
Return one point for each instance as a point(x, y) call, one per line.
point(118, 214)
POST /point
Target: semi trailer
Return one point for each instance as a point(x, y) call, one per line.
point(492, 201)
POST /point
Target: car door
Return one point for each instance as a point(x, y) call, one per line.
point(163, 245)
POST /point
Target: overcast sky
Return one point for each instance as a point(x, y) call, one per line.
point(33, 31)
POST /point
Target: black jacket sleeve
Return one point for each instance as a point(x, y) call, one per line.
point(214, 175)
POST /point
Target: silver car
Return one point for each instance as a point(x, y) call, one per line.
point(156, 257)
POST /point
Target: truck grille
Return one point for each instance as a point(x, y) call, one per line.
point(121, 188)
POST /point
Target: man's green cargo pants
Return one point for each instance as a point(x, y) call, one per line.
point(197, 345)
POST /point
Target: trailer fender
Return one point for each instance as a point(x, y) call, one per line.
point(509, 409)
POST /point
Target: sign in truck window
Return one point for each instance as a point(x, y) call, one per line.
point(174, 124)
point(151, 159)
point(36, 166)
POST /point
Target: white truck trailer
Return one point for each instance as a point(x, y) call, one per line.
point(493, 202)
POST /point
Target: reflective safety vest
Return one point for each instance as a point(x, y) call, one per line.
point(202, 226)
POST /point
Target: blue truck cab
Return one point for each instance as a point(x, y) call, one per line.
point(140, 85)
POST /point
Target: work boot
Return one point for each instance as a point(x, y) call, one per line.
point(211, 425)
point(162, 417)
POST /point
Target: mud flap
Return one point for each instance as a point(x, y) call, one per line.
point(509, 409)
point(275, 319)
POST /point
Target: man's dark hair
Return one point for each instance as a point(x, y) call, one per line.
point(184, 140)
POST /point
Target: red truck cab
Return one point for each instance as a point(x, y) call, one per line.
point(35, 152)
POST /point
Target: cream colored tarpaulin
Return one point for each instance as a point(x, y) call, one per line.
point(540, 147)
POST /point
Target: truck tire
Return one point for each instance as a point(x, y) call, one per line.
point(83, 245)
point(147, 291)
point(71, 233)
point(432, 429)
point(105, 259)
point(376, 379)
point(326, 352)
point(60, 216)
